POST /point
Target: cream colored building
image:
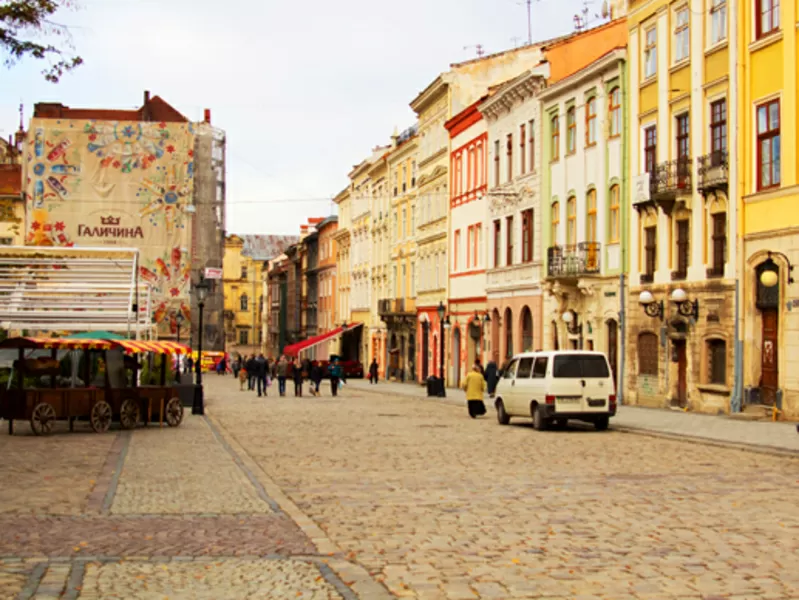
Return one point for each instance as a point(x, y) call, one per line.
point(379, 235)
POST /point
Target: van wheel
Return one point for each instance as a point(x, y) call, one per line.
point(602, 423)
point(502, 417)
point(539, 422)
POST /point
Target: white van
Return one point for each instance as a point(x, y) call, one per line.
point(555, 386)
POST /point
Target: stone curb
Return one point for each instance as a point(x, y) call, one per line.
point(353, 575)
point(680, 437)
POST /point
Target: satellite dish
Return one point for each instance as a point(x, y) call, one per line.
point(605, 10)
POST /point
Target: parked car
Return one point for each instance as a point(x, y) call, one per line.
point(557, 386)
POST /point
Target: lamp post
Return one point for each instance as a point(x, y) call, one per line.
point(770, 275)
point(178, 321)
point(572, 326)
point(442, 391)
point(201, 290)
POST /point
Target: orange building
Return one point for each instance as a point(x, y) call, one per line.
point(328, 294)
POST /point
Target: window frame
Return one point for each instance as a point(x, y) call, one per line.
point(555, 137)
point(244, 303)
point(650, 251)
point(531, 142)
point(571, 221)
point(774, 13)
point(497, 144)
point(683, 244)
point(509, 150)
point(718, 127)
point(614, 214)
point(497, 243)
point(682, 35)
point(528, 248)
point(456, 243)
point(590, 122)
point(614, 112)
point(650, 52)
point(718, 14)
point(591, 219)
point(523, 149)
point(714, 346)
point(769, 135)
point(650, 149)
point(509, 240)
point(244, 337)
point(719, 243)
point(571, 130)
point(650, 367)
point(554, 221)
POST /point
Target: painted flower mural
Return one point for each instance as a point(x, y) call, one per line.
point(166, 195)
point(169, 275)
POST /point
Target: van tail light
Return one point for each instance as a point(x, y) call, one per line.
point(612, 400)
point(549, 399)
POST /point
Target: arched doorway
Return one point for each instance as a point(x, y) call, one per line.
point(411, 357)
point(495, 336)
point(425, 350)
point(768, 302)
point(403, 364)
point(456, 357)
point(475, 329)
point(527, 330)
point(393, 357)
point(508, 320)
point(613, 349)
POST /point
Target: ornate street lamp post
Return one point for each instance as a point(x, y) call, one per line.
point(201, 290)
point(443, 325)
point(178, 321)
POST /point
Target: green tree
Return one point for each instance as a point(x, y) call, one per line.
point(27, 30)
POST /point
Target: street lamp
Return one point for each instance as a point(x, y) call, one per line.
point(178, 321)
point(684, 306)
point(652, 307)
point(770, 276)
point(572, 326)
point(442, 392)
point(201, 290)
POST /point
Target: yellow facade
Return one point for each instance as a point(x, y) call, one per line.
point(244, 289)
point(360, 265)
point(343, 243)
point(683, 232)
point(769, 206)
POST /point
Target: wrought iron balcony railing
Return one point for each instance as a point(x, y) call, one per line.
point(670, 179)
point(574, 260)
point(713, 171)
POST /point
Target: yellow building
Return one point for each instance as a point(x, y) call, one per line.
point(769, 206)
point(242, 278)
point(12, 205)
point(680, 322)
point(398, 308)
point(343, 242)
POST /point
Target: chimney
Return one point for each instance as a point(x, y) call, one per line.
point(207, 116)
point(146, 97)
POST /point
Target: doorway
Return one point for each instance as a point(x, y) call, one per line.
point(425, 350)
point(681, 398)
point(769, 366)
point(456, 358)
point(613, 350)
point(411, 357)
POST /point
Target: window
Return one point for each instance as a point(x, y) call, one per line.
point(476, 246)
point(527, 235)
point(647, 353)
point(555, 223)
point(767, 17)
point(555, 149)
point(768, 145)
point(682, 38)
point(718, 131)
point(509, 243)
point(683, 151)
point(540, 367)
point(510, 370)
point(413, 173)
point(650, 253)
point(244, 337)
point(651, 53)
point(497, 242)
point(456, 247)
point(403, 280)
point(244, 302)
point(590, 122)
point(525, 368)
point(614, 217)
point(531, 143)
point(718, 21)
point(719, 244)
point(650, 149)
point(615, 112)
point(591, 220)
point(578, 366)
point(571, 221)
point(403, 231)
point(6, 241)
point(717, 362)
point(509, 148)
point(571, 131)
point(522, 150)
point(682, 249)
point(244, 272)
point(496, 162)
point(479, 172)
point(469, 241)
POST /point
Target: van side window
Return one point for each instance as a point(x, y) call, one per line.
point(510, 370)
point(525, 368)
point(540, 368)
point(570, 366)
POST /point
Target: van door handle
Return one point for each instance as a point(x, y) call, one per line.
point(583, 382)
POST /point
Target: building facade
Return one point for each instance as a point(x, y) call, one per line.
point(379, 236)
point(328, 285)
point(680, 333)
point(348, 344)
point(513, 221)
point(769, 190)
point(242, 276)
point(12, 205)
point(398, 308)
point(467, 269)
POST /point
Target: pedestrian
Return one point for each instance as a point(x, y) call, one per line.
point(252, 369)
point(336, 374)
point(475, 386)
point(373, 372)
point(479, 365)
point(236, 366)
point(260, 374)
point(298, 377)
point(190, 364)
point(281, 370)
point(491, 376)
point(316, 377)
point(243, 377)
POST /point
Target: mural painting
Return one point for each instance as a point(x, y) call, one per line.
point(126, 184)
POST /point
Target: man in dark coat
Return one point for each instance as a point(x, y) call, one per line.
point(252, 372)
point(373, 371)
point(492, 377)
point(261, 367)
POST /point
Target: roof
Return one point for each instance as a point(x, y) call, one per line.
point(153, 109)
point(266, 247)
point(571, 55)
point(512, 50)
point(10, 180)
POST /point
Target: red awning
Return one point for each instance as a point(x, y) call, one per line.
point(295, 349)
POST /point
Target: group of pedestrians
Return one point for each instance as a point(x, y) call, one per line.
point(258, 373)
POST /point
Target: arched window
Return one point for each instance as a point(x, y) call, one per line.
point(590, 122)
point(614, 233)
point(648, 353)
point(555, 223)
point(555, 148)
point(571, 131)
point(508, 333)
point(615, 112)
point(590, 222)
point(244, 302)
point(527, 330)
point(571, 221)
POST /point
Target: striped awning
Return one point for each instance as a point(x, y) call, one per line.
point(139, 346)
point(58, 343)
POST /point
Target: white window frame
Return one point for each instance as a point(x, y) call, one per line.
point(682, 34)
point(650, 53)
point(717, 22)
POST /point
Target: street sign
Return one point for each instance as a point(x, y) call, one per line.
point(213, 273)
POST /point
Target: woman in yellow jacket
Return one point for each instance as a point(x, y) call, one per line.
point(475, 386)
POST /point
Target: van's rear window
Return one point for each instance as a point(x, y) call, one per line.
point(580, 366)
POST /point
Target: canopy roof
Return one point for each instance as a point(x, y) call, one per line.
point(127, 346)
point(295, 349)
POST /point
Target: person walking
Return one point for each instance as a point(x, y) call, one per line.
point(251, 368)
point(236, 366)
point(261, 370)
point(281, 370)
point(243, 378)
point(475, 387)
point(336, 373)
point(373, 372)
point(492, 377)
point(316, 377)
point(298, 377)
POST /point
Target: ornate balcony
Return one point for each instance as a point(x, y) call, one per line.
point(671, 180)
point(713, 172)
point(574, 261)
point(397, 311)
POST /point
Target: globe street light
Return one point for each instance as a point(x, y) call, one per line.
point(652, 307)
point(441, 310)
point(201, 290)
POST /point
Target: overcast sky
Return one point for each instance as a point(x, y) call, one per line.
point(304, 89)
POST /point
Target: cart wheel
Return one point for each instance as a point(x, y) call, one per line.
point(174, 412)
point(129, 413)
point(43, 418)
point(100, 417)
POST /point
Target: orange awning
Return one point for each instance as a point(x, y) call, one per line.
point(58, 343)
point(139, 346)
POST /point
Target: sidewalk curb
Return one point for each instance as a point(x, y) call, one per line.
point(693, 439)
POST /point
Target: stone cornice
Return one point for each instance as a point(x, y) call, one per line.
point(609, 61)
point(430, 94)
point(525, 87)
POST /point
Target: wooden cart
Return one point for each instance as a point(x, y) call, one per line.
point(100, 404)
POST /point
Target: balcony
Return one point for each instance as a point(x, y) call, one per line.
point(713, 172)
point(670, 181)
point(574, 261)
point(396, 307)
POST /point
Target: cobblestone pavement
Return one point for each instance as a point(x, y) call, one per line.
point(437, 505)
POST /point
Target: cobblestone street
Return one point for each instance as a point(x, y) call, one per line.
point(378, 496)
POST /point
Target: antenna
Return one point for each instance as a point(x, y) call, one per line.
point(478, 48)
point(529, 21)
point(515, 41)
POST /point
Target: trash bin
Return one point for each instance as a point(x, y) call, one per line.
point(432, 386)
